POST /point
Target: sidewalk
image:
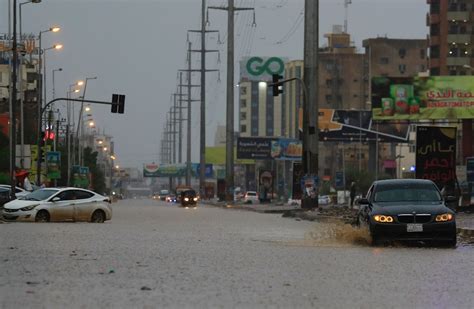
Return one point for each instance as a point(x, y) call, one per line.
point(464, 220)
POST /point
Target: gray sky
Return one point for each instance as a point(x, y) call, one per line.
point(136, 47)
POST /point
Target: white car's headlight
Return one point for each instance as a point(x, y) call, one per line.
point(195, 199)
point(28, 208)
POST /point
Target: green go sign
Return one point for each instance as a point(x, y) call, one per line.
point(257, 66)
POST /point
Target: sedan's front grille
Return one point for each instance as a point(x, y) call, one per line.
point(10, 210)
point(410, 218)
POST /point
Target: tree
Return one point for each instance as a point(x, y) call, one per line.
point(98, 179)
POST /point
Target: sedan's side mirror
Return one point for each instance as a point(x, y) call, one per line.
point(55, 199)
point(363, 201)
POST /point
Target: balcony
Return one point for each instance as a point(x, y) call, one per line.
point(458, 61)
point(465, 15)
point(459, 38)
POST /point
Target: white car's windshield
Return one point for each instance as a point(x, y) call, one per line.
point(40, 195)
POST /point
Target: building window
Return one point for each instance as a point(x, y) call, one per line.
point(243, 103)
point(434, 8)
point(243, 128)
point(453, 7)
point(402, 68)
point(434, 71)
point(328, 82)
point(328, 99)
point(422, 68)
point(243, 90)
point(434, 51)
point(402, 52)
point(462, 7)
point(243, 116)
point(434, 29)
point(422, 53)
point(384, 60)
point(412, 148)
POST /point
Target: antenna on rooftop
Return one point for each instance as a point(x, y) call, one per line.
point(346, 8)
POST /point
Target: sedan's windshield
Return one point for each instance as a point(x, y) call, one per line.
point(40, 195)
point(407, 193)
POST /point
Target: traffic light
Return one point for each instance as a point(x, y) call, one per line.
point(114, 107)
point(276, 86)
point(118, 103)
point(121, 107)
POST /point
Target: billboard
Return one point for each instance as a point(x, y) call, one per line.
point(352, 125)
point(436, 155)
point(150, 170)
point(261, 68)
point(53, 159)
point(423, 98)
point(268, 148)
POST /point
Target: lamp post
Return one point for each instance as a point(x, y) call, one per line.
point(80, 124)
point(54, 91)
point(42, 52)
point(68, 128)
point(23, 3)
point(38, 98)
point(56, 47)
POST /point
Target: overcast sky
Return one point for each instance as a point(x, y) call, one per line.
point(136, 47)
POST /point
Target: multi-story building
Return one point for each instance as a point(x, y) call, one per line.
point(260, 113)
point(451, 40)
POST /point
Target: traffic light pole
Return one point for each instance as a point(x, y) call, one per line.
point(114, 104)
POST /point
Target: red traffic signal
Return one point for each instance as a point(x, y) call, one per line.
point(48, 135)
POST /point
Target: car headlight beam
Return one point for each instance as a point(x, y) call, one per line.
point(186, 199)
point(383, 218)
point(444, 217)
point(28, 208)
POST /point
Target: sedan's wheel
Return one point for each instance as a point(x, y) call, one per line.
point(42, 216)
point(98, 216)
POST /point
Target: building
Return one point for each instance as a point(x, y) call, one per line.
point(451, 49)
point(260, 113)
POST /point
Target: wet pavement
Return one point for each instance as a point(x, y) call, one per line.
point(157, 255)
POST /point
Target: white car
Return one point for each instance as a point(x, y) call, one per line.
point(59, 204)
point(250, 197)
point(19, 192)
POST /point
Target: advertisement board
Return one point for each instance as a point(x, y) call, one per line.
point(423, 98)
point(150, 170)
point(436, 155)
point(354, 125)
point(53, 159)
point(268, 148)
point(261, 68)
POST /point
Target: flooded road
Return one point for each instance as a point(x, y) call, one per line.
point(154, 254)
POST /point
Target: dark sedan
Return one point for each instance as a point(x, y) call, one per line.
point(407, 209)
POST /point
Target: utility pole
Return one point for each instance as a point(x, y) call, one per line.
point(310, 105)
point(13, 107)
point(203, 51)
point(189, 86)
point(229, 166)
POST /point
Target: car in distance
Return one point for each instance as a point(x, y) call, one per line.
point(163, 194)
point(19, 192)
point(188, 198)
point(59, 204)
point(250, 197)
point(324, 200)
point(407, 209)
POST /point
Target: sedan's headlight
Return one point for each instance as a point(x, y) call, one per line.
point(195, 199)
point(383, 218)
point(186, 199)
point(444, 217)
point(28, 208)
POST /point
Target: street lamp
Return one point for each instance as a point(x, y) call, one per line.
point(54, 91)
point(80, 122)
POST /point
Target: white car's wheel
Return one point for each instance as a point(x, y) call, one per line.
point(98, 216)
point(42, 216)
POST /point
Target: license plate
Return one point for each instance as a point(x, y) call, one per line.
point(414, 228)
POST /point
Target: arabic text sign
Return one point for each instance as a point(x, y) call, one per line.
point(254, 148)
point(436, 154)
point(414, 98)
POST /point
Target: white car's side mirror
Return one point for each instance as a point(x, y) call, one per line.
point(56, 199)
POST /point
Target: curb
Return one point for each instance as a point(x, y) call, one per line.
point(467, 232)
